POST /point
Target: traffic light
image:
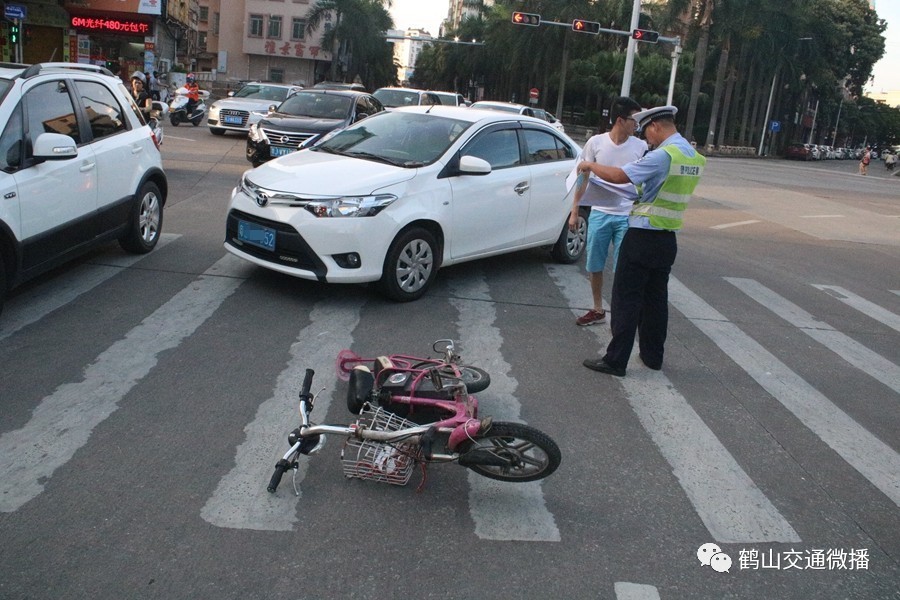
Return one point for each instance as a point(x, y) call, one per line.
point(520, 18)
point(14, 33)
point(645, 35)
point(583, 26)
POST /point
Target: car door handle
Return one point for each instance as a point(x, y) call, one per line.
point(87, 167)
point(136, 149)
point(522, 188)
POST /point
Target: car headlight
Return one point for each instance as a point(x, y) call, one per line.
point(257, 134)
point(350, 206)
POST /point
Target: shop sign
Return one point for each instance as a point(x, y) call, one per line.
point(122, 26)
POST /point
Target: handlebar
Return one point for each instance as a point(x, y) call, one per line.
point(307, 384)
point(280, 467)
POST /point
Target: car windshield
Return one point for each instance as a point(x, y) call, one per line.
point(394, 98)
point(398, 138)
point(262, 92)
point(502, 107)
point(5, 84)
point(447, 99)
point(319, 106)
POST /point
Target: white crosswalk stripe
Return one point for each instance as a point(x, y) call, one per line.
point(501, 510)
point(241, 500)
point(33, 305)
point(725, 498)
point(63, 421)
point(841, 344)
point(870, 309)
point(874, 459)
point(635, 591)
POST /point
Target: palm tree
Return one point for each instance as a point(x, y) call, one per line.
point(353, 25)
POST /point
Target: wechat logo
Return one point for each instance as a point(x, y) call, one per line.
point(710, 555)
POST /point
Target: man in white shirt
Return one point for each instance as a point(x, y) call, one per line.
point(608, 220)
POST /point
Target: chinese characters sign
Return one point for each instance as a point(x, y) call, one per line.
point(123, 26)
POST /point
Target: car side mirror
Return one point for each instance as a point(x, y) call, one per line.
point(472, 165)
point(54, 146)
point(230, 94)
point(273, 108)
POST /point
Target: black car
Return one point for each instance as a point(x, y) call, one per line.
point(305, 117)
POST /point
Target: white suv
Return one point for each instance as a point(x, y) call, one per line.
point(78, 167)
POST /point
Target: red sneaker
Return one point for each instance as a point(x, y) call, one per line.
point(591, 317)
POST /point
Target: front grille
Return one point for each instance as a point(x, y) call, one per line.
point(290, 139)
point(291, 250)
point(230, 112)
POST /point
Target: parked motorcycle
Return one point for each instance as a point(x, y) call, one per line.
point(178, 108)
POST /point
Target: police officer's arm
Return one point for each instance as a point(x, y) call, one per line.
point(604, 172)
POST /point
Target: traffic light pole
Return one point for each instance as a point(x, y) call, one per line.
point(632, 45)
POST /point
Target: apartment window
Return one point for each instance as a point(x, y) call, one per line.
point(204, 14)
point(215, 26)
point(256, 26)
point(201, 40)
point(298, 29)
point(274, 31)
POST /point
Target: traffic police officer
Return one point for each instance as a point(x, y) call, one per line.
point(667, 175)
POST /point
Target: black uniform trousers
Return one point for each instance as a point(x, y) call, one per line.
point(640, 296)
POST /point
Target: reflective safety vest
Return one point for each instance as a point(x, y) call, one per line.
point(667, 209)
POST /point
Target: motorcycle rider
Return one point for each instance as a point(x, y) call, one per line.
point(193, 94)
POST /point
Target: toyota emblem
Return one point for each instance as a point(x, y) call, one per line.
point(262, 199)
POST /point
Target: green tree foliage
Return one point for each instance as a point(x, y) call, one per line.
point(818, 53)
point(356, 38)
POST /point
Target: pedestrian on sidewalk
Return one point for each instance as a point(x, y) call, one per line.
point(864, 161)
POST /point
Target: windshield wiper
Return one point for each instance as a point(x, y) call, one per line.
point(375, 157)
point(328, 149)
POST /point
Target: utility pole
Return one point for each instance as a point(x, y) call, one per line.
point(632, 46)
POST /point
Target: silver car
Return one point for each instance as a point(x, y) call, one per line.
point(247, 106)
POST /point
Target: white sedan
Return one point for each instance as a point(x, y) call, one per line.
point(396, 196)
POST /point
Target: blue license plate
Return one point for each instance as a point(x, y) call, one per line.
point(260, 236)
point(280, 151)
point(230, 120)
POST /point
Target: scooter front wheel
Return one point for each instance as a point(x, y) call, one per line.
point(512, 452)
point(174, 120)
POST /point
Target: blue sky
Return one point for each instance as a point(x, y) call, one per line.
point(428, 14)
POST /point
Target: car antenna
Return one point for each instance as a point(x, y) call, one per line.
point(429, 109)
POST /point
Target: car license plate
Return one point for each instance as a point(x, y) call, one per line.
point(257, 235)
point(231, 120)
point(280, 151)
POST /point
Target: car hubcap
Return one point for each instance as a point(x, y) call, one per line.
point(575, 240)
point(414, 266)
point(149, 217)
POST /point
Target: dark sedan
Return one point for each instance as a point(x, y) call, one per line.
point(305, 117)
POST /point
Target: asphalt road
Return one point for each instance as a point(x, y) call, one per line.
point(144, 402)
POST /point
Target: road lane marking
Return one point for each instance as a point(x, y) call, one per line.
point(821, 216)
point(501, 510)
point(35, 304)
point(62, 423)
point(870, 309)
point(635, 591)
point(726, 499)
point(736, 224)
point(241, 501)
point(867, 361)
point(871, 457)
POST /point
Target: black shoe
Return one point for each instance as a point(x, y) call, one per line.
point(646, 364)
point(600, 364)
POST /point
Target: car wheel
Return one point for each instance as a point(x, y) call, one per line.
point(410, 265)
point(216, 131)
point(146, 221)
point(571, 244)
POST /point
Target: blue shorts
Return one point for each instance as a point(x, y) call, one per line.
point(604, 228)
